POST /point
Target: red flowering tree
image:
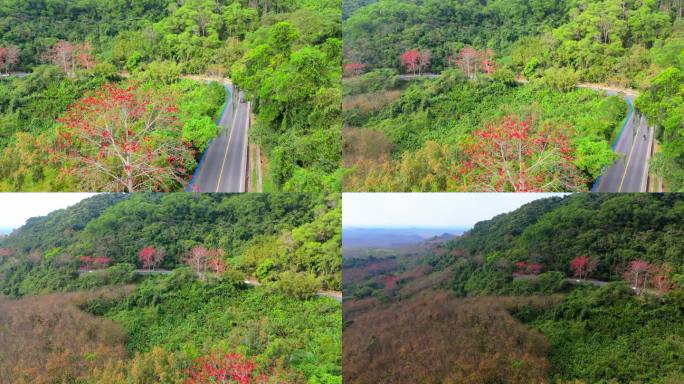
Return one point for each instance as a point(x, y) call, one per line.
point(353, 69)
point(514, 155)
point(84, 56)
point(523, 268)
point(416, 60)
point(124, 139)
point(471, 61)
point(151, 257)
point(198, 259)
point(63, 55)
point(637, 273)
point(409, 60)
point(9, 58)
point(583, 266)
point(202, 259)
point(101, 262)
point(90, 262)
point(227, 368)
point(468, 60)
point(660, 277)
point(424, 58)
point(487, 62)
point(70, 57)
point(217, 265)
point(87, 262)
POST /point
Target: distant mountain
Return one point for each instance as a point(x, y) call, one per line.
point(354, 237)
point(5, 231)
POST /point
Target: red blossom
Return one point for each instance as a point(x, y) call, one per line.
point(523, 268)
point(353, 69)
point(637, 273)
point(415, 60)
point(227, 368)
point(107, 136)
point(583, 266)
point(516, 155)
point(471, 61)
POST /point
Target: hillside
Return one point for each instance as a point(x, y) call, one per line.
point(176, 289)
point(285, 56)
point(264, 235)
point(585, 286)
point(506, 67)
point(615, 228)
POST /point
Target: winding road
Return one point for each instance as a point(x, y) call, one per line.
point(223, 167)
point(596, 283)
point(336, 295)
point(633, 146)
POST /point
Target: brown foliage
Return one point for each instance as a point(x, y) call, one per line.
point(155, 366)
point(429, 282)
point(438, 338)
point(356, 274)
point(430, 169)
point(48, 339)
point(370, 102)
point(365, 144)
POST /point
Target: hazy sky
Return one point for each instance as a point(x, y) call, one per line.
point(429, 209)
point(15, 208)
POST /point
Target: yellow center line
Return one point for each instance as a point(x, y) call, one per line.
point(629, 158)
point(225, 156)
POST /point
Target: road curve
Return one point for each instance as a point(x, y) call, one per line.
point(224, 163)
point(629, 173)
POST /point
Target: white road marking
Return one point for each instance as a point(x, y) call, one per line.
point(230, 137)
point(244, 153)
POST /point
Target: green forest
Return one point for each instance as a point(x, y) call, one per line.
point(284, 54)
point(508, 72)
point(175, 288)
point(586, 288)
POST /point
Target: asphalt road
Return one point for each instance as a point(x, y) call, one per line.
point(251, 281)
point(223, 166)
point(630, 172)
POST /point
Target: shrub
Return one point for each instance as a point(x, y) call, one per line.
point(161, 72)
point(560, 79)
point(301, 285)
point(116, 274)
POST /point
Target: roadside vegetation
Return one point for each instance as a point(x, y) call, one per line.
point(481, 50)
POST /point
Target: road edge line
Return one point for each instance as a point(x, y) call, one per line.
point(206, 149)
point(629, 157)
point(243, 173)
point(630, 116)
point(225, 156)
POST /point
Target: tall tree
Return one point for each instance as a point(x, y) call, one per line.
point(410, 60)
point(122, 139)
point(62, 54)
point(12, 54)
point(637, 273)
point(583, 266)
point(151, 257)
point(516, 154)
